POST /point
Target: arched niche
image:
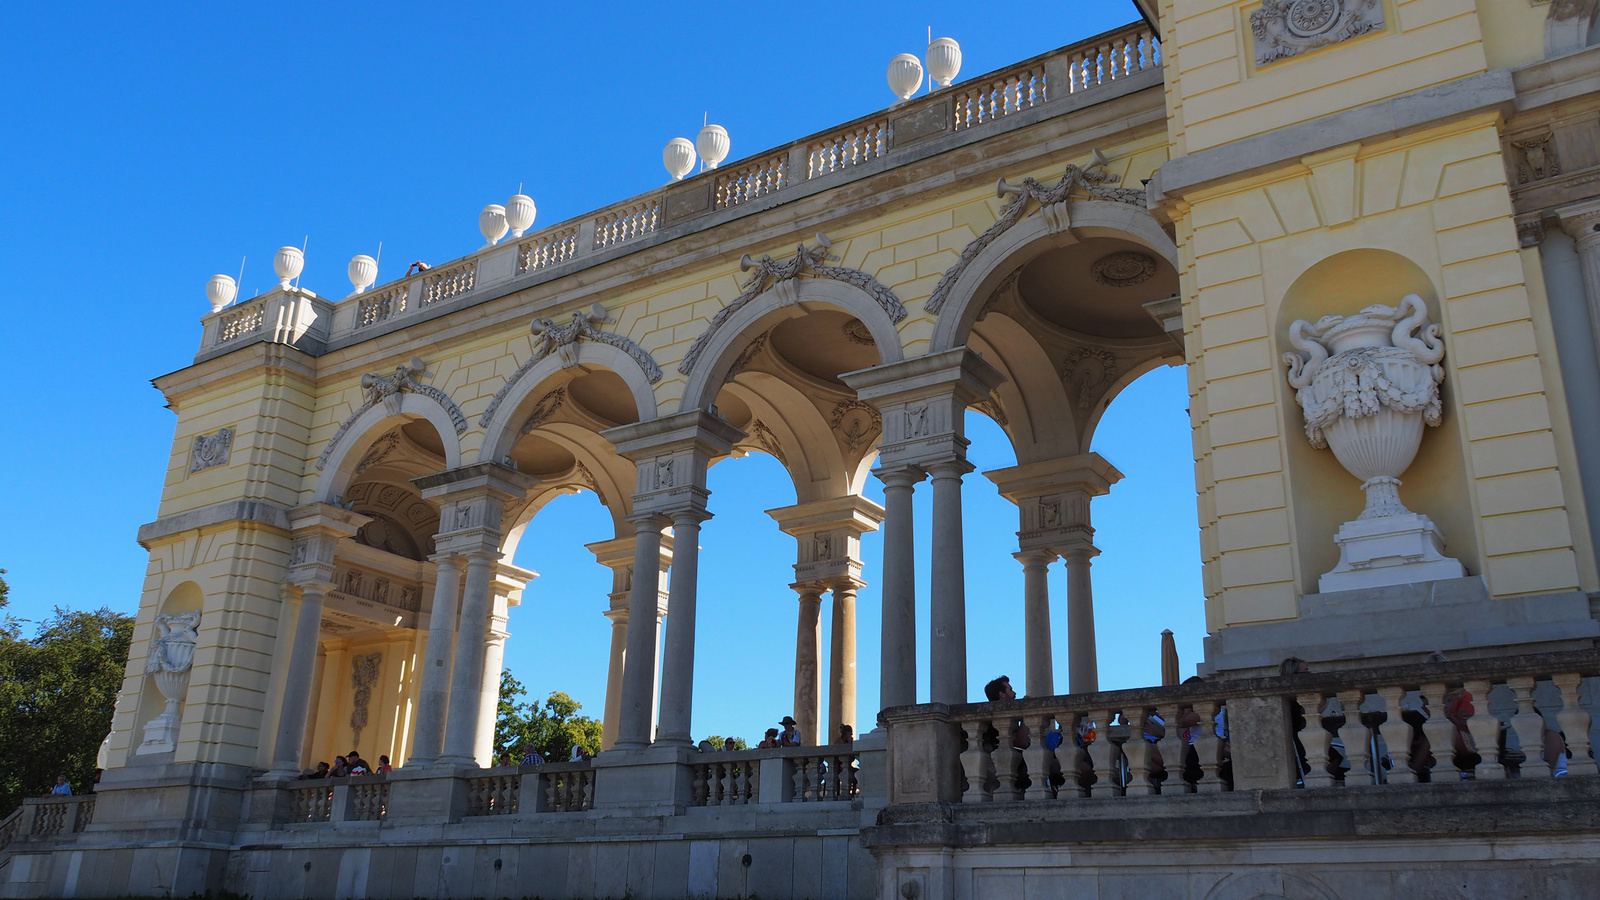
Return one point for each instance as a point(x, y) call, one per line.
point(359, 437)
point(185, 597)
point(1029, 238)
point(784, 300)
point(1570, 26)
point(1323, 495)
point(528, 387)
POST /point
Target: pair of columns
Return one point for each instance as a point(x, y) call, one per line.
point(841, 663)
point(670, 455)
point(618, 555)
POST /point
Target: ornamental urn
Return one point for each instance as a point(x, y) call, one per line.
point(944, 60)
point(221, 290)
point(492, 222)
point(1367, 384)
point(905, 75)
point(713, 144)
point(678, 157)
point(289, 263)
point(363, 271)
point(520, 213)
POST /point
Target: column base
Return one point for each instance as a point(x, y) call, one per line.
point(1385, 550)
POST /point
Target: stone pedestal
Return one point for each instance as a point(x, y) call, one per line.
point(1397, 549)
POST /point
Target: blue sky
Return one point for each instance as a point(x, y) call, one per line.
point(151, 146)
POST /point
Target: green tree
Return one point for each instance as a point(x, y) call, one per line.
point(58, 690)
point(553, 727)
point(717, 741)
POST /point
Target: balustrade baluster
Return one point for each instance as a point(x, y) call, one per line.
point(1137, 751)
point(975, 762)
point(1070, 758)
point(1316, 740)
point(1574, 721)
point(1485, 730)
point(1397, 737)
point(1529, 726)
point(1208, 747)
point(1037, 757)
point(1355, 735)
point(799, 780)
point(1006, 758)
point(1173, 750)
point(1441, 735)
point(1103, 755)
point(699, 785)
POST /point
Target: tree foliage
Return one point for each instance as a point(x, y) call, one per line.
point(553, 727)
point(58, 690)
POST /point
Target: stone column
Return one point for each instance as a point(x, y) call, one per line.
point(494, 658)
point(1083, 670)
point(1582, 223)
point(466, 675)
point(618, 614)
point(807, 668)
point(297, 686)
point(677, 657)
point(306, 750)
point(842, 662)
point(947, 651)
point(898, 681)
point(392, 728)
point(326, 731)
point(1038, 667)
point(639, 675)
point(437, 655)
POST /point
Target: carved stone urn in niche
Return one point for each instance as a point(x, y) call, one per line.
point(1367, 385)
point(168, 664)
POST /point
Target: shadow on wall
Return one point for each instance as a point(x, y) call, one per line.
point(1323, 495)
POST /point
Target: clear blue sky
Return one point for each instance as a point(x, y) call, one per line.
point(151, 146)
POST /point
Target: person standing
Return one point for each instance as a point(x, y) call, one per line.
point(61, 787)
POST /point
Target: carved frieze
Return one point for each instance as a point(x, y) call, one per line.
point(210, 450)
point(770, 273)
point(1285, 28)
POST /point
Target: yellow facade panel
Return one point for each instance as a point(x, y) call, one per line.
point(1532, 573)
point(1522, 492)
point(1247, 495)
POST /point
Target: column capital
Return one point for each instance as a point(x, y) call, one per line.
point(670, 455)
point(1052, 499)
point(1037, 556)
point(809, 590)
point(316, 530)
point(1581, 221)
point(827, 535)
point(949, 467)
point(472, 501)
point(899, 476)
point(923, 402)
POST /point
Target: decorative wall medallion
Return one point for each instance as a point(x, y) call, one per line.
point(380, 590)
point(916, 422)
point(1049, 512)
point(770, 273)
point(210, 450)
point(664, 477)
point(1285, 28)
point(1086, 372)
point(824, 548)
point(856, 333)
point(855, 422)
point(1536, 159)
point(410, 597)
point(386, 389)
point(1089, 182)
point(991, 408)
point(767, 441)
point(352, 583)
point(297, 556)
point(379, 451)
point(463, 516)
point(1124, 268)
point(750, 352)
point(363, 675)
point(563, 339)
point(544, 409)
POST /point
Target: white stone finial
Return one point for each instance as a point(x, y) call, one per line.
point(1367, 385)
point(221, 290)
point(520, 213)
point(492, 222)
point(289, 263)
point(905, 75)
point(678, 157)
point(713, 144)
point(944, 60)
point(363, 271)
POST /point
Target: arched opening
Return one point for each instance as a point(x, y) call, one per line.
point(1322, 494)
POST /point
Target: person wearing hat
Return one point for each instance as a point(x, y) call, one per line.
point(770, 741)
point(790, 736)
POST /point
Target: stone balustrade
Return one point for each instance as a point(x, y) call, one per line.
point(45, 818)
point(1438, 723)
point(1105, 63)
point(776, 775)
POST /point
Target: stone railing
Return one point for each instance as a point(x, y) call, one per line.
point(47, 817)
point(1441, 723)
point(311, 801)
point(905, 131)
point(783, 775)
point(9, 827)
point(369, 801)
point(553, 787)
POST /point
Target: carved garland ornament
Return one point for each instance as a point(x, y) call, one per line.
point(768, 441)
point(1285, 28)
point(807, 261)
point(387, 390)
point(1089, 182)
point(379, 451)
point(210, 450)
point(563, 339)
point(855, 421)
point(544, 409)
point(363, 675)
point(1086, 372)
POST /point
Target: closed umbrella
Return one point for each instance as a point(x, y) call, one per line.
point(1169, 658)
